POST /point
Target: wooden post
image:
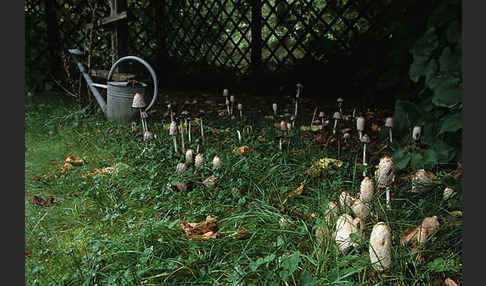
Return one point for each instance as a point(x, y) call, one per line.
point(256, 44)
point(256, 37)
point(119, 35)
point(160, 32)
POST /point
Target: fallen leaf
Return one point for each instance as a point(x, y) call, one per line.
point(111, 170)
point(318, 139)
point(375, 127)
point(241, 233)
point(243, 149)
point(43, 203)
point(449, 282)
point(310, 128)
point(323, 165)
point(205, 229)
point(295, 192)
point(74, 161)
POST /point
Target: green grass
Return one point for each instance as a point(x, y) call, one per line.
point(123, 230)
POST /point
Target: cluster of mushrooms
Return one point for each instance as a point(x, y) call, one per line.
point(350, 214)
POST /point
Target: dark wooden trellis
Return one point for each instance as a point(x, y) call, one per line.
point(244, 37)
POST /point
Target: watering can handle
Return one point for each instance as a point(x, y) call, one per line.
point(154, 78)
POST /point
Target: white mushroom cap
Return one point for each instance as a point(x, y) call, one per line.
point(181, 186)
point(189, 156)
point(232, 98)
point(239, 106)
point(148, 135)
point(225, 92)
point(360, 209)
point(216, 162)
point(337, 115)
point(448, 193)
point(366, 189)
point(173, 128)
point(289, 126)
point(346, 135)
point(340, 100)
point(345, 200)
point(389, 122)
point(345, 226)
point(360, 123)
point(138, 101)
point(199, 160)
point(417, 131)
point(421, 180)
point(365, 138)
point(380, 247)
point(274, 107)
point(385, 171)
point(210, 182)
point(283, 125)
point(181, 167)
point(321, 114)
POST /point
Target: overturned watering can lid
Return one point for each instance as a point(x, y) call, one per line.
point(138, 101)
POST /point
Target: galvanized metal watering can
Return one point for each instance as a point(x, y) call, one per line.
point(119, 95)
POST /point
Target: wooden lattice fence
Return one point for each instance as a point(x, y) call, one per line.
point(241, 36)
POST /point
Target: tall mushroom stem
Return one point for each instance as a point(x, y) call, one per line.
point(239, 136)
point(174, 138)
point(334, 128)
point(390, 132)
point(144, 127)
point(189, 131)
point(364, 158)
point(182, 139)
point(202, 131)
point(388, 197)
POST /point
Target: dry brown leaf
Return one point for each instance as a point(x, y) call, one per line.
point(114, 169)
point(375, 127)
point(449, 282)
point(241, 233)
point(205, 229)
point(43, 203)
point(243, 149)
point(319, 139)
point(74, 161)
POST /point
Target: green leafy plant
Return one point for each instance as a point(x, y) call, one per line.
point(436, 67)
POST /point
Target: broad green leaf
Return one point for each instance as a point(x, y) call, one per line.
point(448, 61)
point(443, 151)
point(431, 70)
point(452, 123)
point(430, 158)
point(426, 44)
point(417, 68)
point(453, 32)
point(417, 161)
point(414, 112)
point(401, 162)
point(447, 98)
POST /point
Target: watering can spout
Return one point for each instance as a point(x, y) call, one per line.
point(92, 86)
